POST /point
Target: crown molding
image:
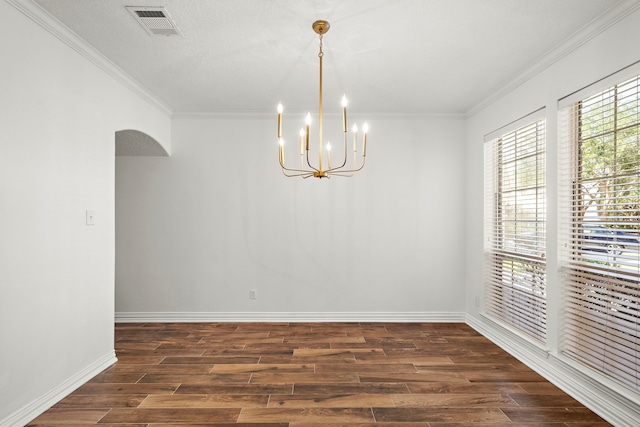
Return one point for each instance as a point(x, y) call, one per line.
point(222, 115)
point(38, 15)
point(33, 11)
point(597, 26)
point(426, 317)
point(262, 115)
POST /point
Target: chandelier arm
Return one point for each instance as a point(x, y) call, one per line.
point(345, 156)
point(297, 171)
point(350, 170)
point(309, 163)
point(304, 174)
point(284, 168)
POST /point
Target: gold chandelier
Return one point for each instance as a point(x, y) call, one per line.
point(319, 170)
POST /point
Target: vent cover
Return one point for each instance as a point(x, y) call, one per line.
point(155, 20)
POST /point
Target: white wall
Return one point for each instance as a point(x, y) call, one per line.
point(197, 230)
point(606, 53)
point(58, 116)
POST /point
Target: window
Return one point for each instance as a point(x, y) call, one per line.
point(515, 229)
point(600, 165)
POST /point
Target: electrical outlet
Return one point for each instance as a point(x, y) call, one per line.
point(253, 294)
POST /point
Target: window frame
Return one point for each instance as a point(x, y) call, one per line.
point(515, 265)
point(601, 293)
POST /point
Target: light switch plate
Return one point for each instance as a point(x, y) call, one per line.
point(91, 220)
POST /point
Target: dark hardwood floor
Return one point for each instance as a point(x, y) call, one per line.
point(314, 374)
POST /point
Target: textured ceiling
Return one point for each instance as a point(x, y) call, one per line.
point(388, 56)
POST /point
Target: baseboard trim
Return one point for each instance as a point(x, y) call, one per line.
point(163, 317)
point(31, 411)
point(616, 404)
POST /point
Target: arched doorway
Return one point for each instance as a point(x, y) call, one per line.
point(131, 146)
point(131, 142)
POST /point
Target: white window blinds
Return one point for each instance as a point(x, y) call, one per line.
point(600, 214)
point(515, 229)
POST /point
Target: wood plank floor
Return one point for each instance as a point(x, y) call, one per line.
point(314, 374)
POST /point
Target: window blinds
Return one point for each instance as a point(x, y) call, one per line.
point(600, 225)
point(515, 229)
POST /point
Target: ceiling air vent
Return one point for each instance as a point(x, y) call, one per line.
point(155, 20)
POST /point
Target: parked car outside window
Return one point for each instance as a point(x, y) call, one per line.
point(604, 239)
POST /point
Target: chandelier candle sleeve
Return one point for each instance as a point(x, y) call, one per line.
point(281, 149)
point(328, 155)
point(279, 121)
point(365, 129)
point(344, 113)
point(302, 141)
point(354, 129)
point(308, 129)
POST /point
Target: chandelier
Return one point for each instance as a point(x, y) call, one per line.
point(321, 170)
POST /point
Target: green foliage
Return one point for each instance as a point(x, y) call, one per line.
point(610, 155)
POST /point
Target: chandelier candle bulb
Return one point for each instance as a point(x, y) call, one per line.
point(344, 113)
point(279, 120)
